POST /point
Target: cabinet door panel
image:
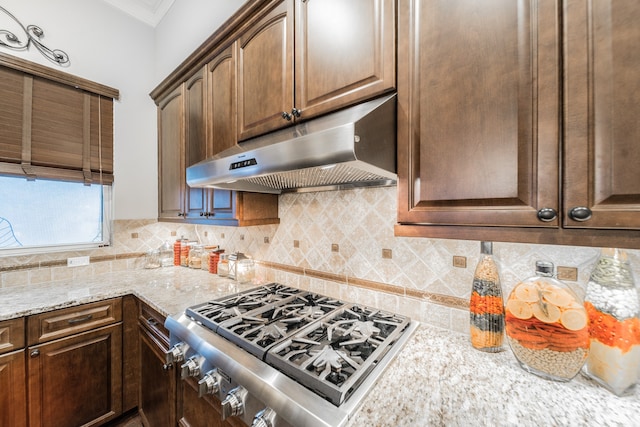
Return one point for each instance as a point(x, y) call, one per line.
point(13, 395)
point(157, 385)
point(478, 112)
point(265, 73)
point(345, 53)
point(76, 380)
point(170, 155)
point(602, 149)
point(222, 102)
point(196, 145)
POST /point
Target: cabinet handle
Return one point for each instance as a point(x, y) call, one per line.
point(286, 116)
point(580, 213)
point(152, 322)
point(295, 112)
point(167, 366)
point(80, 319)
point(547, 214)
point(35, 353)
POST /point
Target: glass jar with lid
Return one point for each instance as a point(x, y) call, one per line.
point(241, 267)
point(223, 265)
point(613, 307)
point(547, 326)
point(195, 256)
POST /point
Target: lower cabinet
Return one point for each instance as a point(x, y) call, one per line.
point(158, 381)
point(76, 381)
point(74, 365)
point(13, 392)
point(13, 408)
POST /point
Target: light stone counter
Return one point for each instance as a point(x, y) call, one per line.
point(437, 379)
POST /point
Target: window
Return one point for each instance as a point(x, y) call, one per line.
point(56, 159)
point(47, 214)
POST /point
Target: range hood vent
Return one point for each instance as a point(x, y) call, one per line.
point(355, 147)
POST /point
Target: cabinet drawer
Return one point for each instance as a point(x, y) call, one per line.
point(11, 335)
point(68, 321)
point(153, 322)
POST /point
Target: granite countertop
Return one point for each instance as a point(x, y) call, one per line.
point(438, 379)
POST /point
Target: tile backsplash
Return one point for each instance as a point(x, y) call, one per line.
point(345, 234)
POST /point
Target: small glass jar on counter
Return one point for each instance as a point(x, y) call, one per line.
point(195, 256)
point(241, 267)
point(214, 258)
point(547, 326)
point(613, 307)
point(223, 265)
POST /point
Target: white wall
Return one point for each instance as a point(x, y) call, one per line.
point(187, 24)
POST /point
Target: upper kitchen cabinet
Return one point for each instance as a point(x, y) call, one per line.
point(171, 175)
point(480, 120)
point(478, 128)
point(601, 114)
point(332, 55)
point(265, 73)
point(192, 118)
point(222, 118)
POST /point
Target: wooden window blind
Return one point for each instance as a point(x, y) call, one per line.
point(54, 125)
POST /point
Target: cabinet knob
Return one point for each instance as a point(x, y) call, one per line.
point(295, 112)
point(580, 213)
point(287, 116)
point(35, 353)
point(547, 214)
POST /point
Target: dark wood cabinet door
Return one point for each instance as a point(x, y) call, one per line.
point(478, 112)
point(76, 380)
point(344, 53)
point(195, 139)
point(221, 91)
point(157, 385)
point(171, 176)
point(265, 72)
point(13, 394)
point(602, 113)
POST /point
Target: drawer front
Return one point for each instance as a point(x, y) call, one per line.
point(11, 335)
point(68, 321)
point(153, 322)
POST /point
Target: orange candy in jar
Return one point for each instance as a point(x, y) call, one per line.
point(547, 326)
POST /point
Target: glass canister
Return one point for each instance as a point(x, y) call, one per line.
point(241, 267)
point(195, 256)
point(167, 255)
point(486, 307)
point(613, 307)
point(547, 326)
point(223, 266)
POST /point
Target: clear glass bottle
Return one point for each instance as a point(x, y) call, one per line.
point(547, 326)
point(486, 305)
point(613, 307)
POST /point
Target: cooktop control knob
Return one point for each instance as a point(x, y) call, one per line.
point(210, 383)
point(190, 368)
point(264, 418)
point(175, 354)
point(233, 405)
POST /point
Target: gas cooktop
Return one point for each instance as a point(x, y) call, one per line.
point(333, 348)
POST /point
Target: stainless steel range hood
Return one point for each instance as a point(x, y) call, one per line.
point(355, 147)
